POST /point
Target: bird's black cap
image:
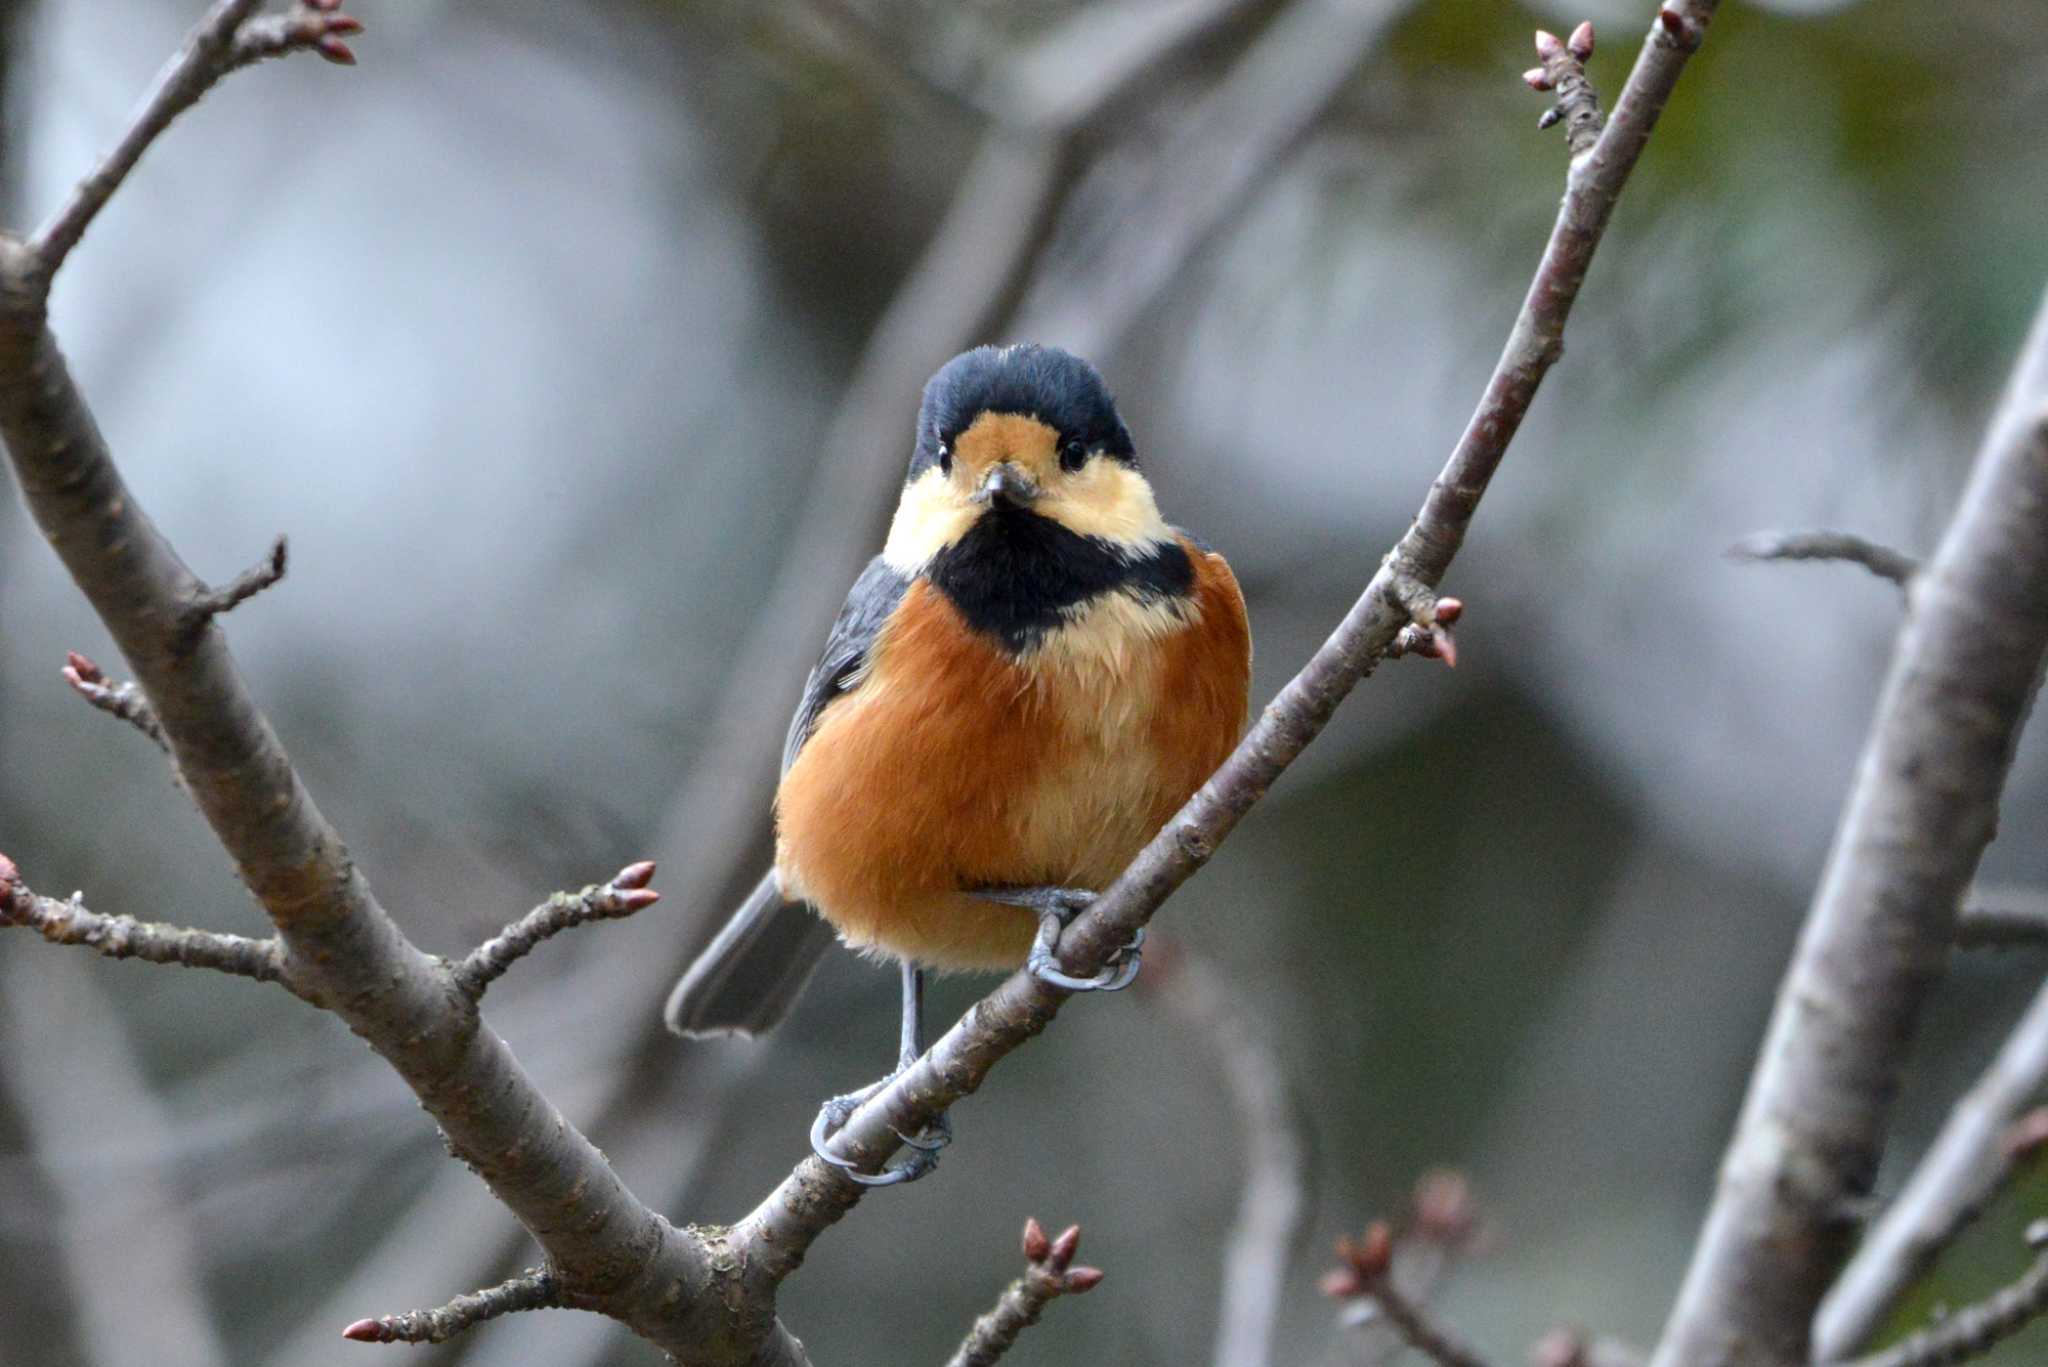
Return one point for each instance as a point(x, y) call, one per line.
point(1057, 387)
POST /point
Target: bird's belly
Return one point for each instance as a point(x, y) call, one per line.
point(966, 767)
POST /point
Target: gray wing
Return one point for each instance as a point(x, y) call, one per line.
point(844, 660)
point(747, 979)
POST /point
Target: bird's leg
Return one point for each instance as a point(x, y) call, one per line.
point(1055, 908)
point(926, 1143)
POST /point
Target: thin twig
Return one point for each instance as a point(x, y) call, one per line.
point(67, 922)
point(123, 701)
point(2002, 917)
point(1968, 1163)
point(817, 1194)
point(1916, 820)
point(625, 894)
point(226, 38)
point(533, 1289)
point(1882, 561)
point(1975, 1330)
point(1366, 1276)
point(1047, 1276)
point(244, 586)
point(1272, 1203)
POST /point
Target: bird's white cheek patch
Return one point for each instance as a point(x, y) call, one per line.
point(1110, 501)
point(930, 517)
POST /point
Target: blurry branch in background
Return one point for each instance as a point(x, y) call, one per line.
point(1977, 1329)
point(1366, 1275)
point(123, 1243)
point(1270, 1210)
point(1399, 594)
point(1441, 1228)
point(1882, 561)
point(1048, 1275)
point(2003, 916)
point(1982, 1143)
point(1569, 1346)
point(1098, 275)
point(1923, 806)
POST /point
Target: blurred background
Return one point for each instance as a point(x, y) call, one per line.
point(576, 346)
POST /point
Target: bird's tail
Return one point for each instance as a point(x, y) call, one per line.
point(747, 979)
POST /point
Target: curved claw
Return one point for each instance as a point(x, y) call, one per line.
point(923, 1158)
point(1044, 965)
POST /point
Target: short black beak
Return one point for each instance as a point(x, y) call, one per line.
point(1007, 486)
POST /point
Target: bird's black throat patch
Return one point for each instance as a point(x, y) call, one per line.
point(1016, 575)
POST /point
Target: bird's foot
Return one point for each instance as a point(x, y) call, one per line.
point(924, 1146)
point(1056, 907)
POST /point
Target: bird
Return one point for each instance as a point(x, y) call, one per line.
point(1026, 683)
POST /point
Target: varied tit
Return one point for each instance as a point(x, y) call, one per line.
point(1028, 681)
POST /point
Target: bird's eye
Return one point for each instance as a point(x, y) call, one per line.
point(945, 459)
point(1073, 455)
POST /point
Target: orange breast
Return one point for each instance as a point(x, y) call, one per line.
point(955, 765)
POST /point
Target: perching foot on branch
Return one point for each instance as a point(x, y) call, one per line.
point(1563, 69)
point(534, 1289)
point(1049, 1276)
point(1056, 907)
point(925, 1144)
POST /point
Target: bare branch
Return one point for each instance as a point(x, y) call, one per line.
point(1270, 1210)
point(1047, 1277)
point(1366, 1275)
point(122, 701)
point(1923, 806)
point(123, 937)
point(533, 1289)
point(814, 1197)
point(226, 38)
point(244, 586)
point(625, 894)
point(1882, 561)
point(1975, 1330)
point(2003, 916)
point(1968, 1163)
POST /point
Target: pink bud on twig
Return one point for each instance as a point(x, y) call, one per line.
point(367, 1331)
point(1536, 78)
point(1548, 45)
point(1064, 1248)
point(1581, 41)
point(1036, 1245)
point(634, 875)
point(1082, 1280)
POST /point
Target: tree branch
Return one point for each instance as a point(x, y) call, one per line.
point(2003, 916)
point(1922, 808)
point(1968, 1163)
point(1975, 1330)
point(533, 1289)
point(1367, 1275)
point(124, 937)
point(625, 894)
point(1270, 1210)
point(123, 702)
point(1047, 1276)
point(227, 38)
point(816, 1195)
point(1882, 561)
